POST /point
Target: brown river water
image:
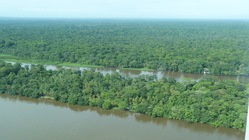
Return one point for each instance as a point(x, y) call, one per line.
point(24, 118)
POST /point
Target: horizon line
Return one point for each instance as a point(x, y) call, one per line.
point(124, 18)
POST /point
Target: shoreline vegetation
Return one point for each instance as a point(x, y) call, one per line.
point(215, 47)
point(9, 58)
point(208, 101)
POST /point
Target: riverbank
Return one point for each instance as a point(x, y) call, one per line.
point(130, 72)
point(48, 119)
point(206, 101)
point(11, 58)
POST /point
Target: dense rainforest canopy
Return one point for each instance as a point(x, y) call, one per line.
point(221, 47)
point(208, 101)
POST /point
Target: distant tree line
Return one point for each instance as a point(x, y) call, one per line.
point(208, 101)
point(221, 47)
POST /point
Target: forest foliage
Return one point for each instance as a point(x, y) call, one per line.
point(221, 47)
point(208, 101)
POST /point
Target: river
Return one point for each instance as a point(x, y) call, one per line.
point(178, 76)
point(39, 119)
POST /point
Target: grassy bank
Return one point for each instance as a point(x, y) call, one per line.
point(141, 69)
point(11, 58)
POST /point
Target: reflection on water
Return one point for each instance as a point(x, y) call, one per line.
point(84, 122)
point(178, 76)
point(50, 67)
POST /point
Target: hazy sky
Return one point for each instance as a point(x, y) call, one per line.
point(218, 9)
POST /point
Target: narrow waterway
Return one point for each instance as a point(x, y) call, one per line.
point(38, 119)
point(178, 76)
